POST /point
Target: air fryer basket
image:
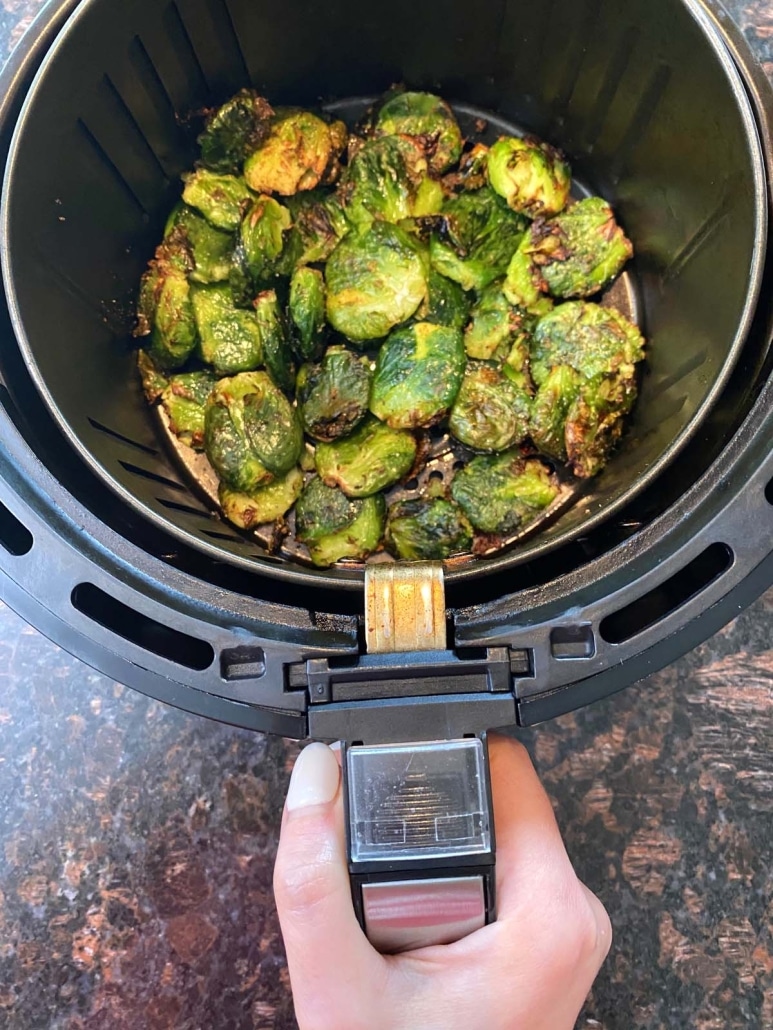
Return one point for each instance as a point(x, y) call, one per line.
point(667, 136)
point(103, 546)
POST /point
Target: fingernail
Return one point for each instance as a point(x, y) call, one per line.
point(315, 778)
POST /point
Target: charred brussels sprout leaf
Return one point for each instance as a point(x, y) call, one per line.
point(472, 173)
point(272, 332)
point(295, 157)
point(427, 530)
point(446, 303)
point(210, 249)
point(426, 116)
point(307, 311)
point(333, 396)
point(251, 432)
point(375, 280)
point(490, 413)
point(475, 239)
point(235, 130)
point(154, 382)
point(165, 311)
point(319, 225)
point(372, 459)
point(498, 494)
point(524, 286)
point(333, 527)
point(262, 237)
point(592, 339)
point(230, 338)
point(266, 504)
point(496, 326)
point(383, 181)
point(222, 199)
point(577, 253)
point(551, 408)
point(418, 375)
point(532, 176)
point(185, 400)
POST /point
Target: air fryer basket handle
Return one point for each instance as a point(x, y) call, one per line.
point(420, 829)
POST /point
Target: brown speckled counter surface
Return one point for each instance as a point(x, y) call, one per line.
point(137, 843)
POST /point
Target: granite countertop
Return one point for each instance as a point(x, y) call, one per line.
point(137, 842)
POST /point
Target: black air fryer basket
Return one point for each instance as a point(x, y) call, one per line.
point(108, 550)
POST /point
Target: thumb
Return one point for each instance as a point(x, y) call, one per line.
point(329, 958)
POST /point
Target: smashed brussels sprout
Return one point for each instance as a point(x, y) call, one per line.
point(272, 331)
point(266, 504)
point(475, 239)
point(165, 310)
point(426, 116)
point(578, 253)
point(334, 527)
point(294, 157)
point(185, 401)
point(490, 413)
point(333, 396)
point(498, 494)
point(418, 375)
point(375, 280)
point(234, 131)
point(372, 459)
point(307, 312)
point(427, 530)
point(252, 433)
point(532, 176)
point(496, 326)
point(230, 337)
point(339, 316)
point(210, 249)
point(222, 199)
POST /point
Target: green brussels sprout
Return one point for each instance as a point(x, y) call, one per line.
point(551, 408)
point(490, 413)
point(266, 504)
point(252, 433)
point(154, 382)
point(476, 238)
point(532, 176)
point(430, 529)
point(383, 181)
point(333, 396)
point(517, 366)
point(595, 422)
point(501, 492)
point(429, 199)
point(185, 400)
point(334, 527)
point(307, 312)
point(372, 459)
point(277, 353)
point(375, 280)
point(592, 339)
point(319, 225)
point(165, 309)
point(262, 236)
point(418, 375)
point(524, 286)
point(496, 326)
point(424, 115)
point(234, 131)
point(230, 337)
point(446, 303)
point(210, 249)
point(294, 158)
point(575, 254)
point(222, 199)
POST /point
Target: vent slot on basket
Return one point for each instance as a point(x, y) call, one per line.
point(14, 537)
point(140, 629)
point(655, 606)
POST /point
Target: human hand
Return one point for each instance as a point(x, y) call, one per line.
point(531, 970)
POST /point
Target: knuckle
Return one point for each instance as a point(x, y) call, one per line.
point(589, 930)
point(299, 888)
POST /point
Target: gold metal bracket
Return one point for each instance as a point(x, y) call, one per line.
point(405, 607)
